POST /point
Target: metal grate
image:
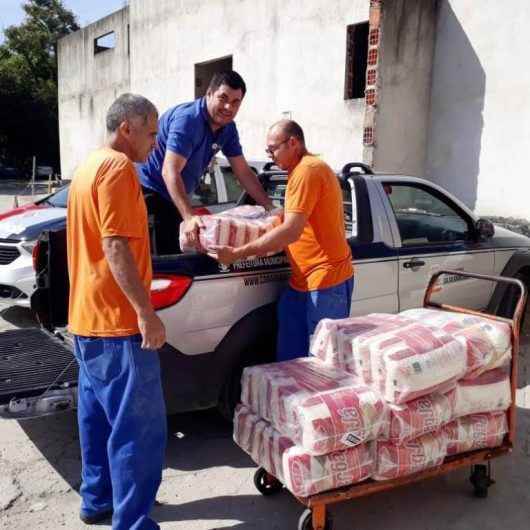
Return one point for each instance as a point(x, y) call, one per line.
point(30, 360)
point(8, 254)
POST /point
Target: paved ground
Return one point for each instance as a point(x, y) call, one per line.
point(208, 480)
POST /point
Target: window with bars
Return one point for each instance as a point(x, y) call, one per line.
point(356, 60)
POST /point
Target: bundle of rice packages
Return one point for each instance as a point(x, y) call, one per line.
point(399, 460)
point(320, 408)
point(233, 227)
point(400, 357)
point(477, 431)
point(345, 343)
point(414, 361)
point(408, 389)
point(487, 341)
point(489, 392)
point(301, 473)
point(420, 416)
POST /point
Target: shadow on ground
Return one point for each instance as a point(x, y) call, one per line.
point(21, 317)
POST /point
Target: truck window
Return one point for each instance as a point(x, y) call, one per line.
point(233, 188)
point(423, 217)
point(206, 192)
point(276, 192)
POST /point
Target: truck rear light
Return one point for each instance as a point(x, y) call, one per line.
point(201, 210)
point(35, 255)
point(167, 289)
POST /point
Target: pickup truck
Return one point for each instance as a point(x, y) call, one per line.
point(220, 319)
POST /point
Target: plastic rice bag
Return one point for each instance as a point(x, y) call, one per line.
point(234, 227)
point(345, 343)
point(400, 460)
point(487, 341)
point(301, 473)
point(414, 361)
point(420, 416)
point(490, 392)
point(320, 408)
point(477, 431)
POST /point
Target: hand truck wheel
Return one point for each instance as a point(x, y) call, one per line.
point(306, 521)
point(481, 480)
point(265, 483)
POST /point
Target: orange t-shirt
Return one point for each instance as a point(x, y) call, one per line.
point(321, 258)
point(104, 200)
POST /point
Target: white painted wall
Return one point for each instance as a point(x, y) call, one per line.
point(291, 54)
point(479, 136)
point(404, 80)
point(88, 84)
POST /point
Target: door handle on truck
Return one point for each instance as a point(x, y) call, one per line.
point(413, 264)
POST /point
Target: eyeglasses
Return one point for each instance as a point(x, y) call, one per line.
point(271, 149)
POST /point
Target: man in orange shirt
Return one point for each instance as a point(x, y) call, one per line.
point(121, 411)
point(313, 235)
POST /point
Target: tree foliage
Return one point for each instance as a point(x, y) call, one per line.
point(28, 83)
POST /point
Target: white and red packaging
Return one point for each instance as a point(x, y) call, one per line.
point(301, 473)
point(489, 392)
point(345, 343)
point(487, 341)
point(477, 431)
point(400, 460)
point(319, 407)
point(233, 227)
point(414, 361)
point(420, 416)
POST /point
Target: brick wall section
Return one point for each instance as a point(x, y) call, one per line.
point(374, 41)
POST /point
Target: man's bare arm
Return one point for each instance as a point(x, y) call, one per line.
point(249, 181)
point(172, 175)
point(125, 272)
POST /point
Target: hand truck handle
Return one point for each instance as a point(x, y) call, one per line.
point(519, 308)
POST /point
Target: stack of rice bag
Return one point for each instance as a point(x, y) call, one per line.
point(383, 396)
point(443, 376)
point(233, 227)
point(309, 424)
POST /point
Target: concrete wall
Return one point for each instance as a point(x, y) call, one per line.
point(291, 53)
point(404, 87)
point(479, 133)
point(88, 83)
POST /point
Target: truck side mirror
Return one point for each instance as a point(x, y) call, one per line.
point(484, 228)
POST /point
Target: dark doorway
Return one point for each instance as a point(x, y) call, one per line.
point(205, 71)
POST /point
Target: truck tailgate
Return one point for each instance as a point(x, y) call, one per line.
point(33, 361)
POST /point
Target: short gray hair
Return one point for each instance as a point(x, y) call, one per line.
point(127, 107)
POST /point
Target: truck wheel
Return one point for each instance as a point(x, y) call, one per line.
point(230, 395)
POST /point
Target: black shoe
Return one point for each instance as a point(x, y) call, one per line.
point(97, 517)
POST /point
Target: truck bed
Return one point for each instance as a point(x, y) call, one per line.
point(32, 361)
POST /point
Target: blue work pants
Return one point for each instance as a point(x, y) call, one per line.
point(300, 311)
point(122, 429)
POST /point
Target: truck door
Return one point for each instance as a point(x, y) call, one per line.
point(437, 234)
point(375, 259)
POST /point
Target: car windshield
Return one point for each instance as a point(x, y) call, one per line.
point(58, 199)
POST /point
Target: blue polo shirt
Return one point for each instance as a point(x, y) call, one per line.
point(185, 130)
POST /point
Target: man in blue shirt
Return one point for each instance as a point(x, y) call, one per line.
point(189, 135)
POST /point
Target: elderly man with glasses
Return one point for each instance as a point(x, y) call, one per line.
point(314, 237)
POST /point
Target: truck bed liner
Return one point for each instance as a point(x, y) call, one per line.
point(30, 360)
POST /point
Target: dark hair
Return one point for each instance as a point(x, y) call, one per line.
point(291, 128)
point(127, 107)
point(230, 78)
